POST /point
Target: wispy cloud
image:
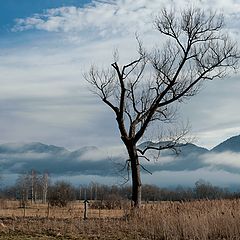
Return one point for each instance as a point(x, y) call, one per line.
point(108, 17)
point(114, 17)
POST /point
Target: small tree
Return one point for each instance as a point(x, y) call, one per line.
point(23, 186)
point(35, 185)
point(143, 92)
point(60, 194)
point(44, 184)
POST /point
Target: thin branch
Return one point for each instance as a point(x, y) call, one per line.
point(144, 157)
point(145, 169)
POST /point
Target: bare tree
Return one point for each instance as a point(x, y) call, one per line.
point(61, 193)
point(45, 183)
point(23, 184)
point(35, 185)
point(143, 93)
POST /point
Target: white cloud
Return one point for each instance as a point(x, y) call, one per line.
point(111, 153)
point(228, 6)
point(226, 159)
point(108, 17)
point(114, 17)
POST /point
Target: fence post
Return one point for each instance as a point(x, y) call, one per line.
point(85, 209)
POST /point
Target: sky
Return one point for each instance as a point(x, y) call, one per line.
point(47, 45)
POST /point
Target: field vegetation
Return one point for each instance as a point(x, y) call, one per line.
point(202, 212)
point(204, 219)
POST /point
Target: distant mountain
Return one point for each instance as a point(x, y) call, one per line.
point(22, 157)
point(30, 147)
point(17, 158)
point(232, 144)
point(181, 149)
point(184, 157)
point(192, 148)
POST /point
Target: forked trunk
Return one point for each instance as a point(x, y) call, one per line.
point(136, 177)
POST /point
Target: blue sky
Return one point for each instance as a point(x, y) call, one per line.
point(12, 9)
point(47, 45)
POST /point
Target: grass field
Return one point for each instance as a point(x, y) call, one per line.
point(73, 210)
point(25, 237)
point(218, 219)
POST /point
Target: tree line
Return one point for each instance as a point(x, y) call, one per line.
point(34, 187)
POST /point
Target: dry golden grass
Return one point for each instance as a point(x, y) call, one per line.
point(191, 220)
point(219, 219)
point(73, 210)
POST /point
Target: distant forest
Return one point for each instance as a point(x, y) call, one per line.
point(33, 187)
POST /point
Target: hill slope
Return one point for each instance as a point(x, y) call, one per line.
point(232, 144)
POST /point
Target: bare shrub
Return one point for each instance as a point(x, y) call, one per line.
point(111, 201)
point(60, 194)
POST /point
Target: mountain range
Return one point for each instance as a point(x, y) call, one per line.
point(16, 158)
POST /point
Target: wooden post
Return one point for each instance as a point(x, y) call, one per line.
point(85, 209)
point(85, 205)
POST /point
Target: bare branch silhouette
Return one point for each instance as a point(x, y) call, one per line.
point(143, 93)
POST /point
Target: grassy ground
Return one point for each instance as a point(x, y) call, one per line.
point(25, 228)
point(198, 220)
point(73, 210)
point(26, 237)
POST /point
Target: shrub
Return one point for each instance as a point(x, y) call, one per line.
point(111, 201)
point(60, 194)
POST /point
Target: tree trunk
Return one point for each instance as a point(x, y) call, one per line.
point(136, 177)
